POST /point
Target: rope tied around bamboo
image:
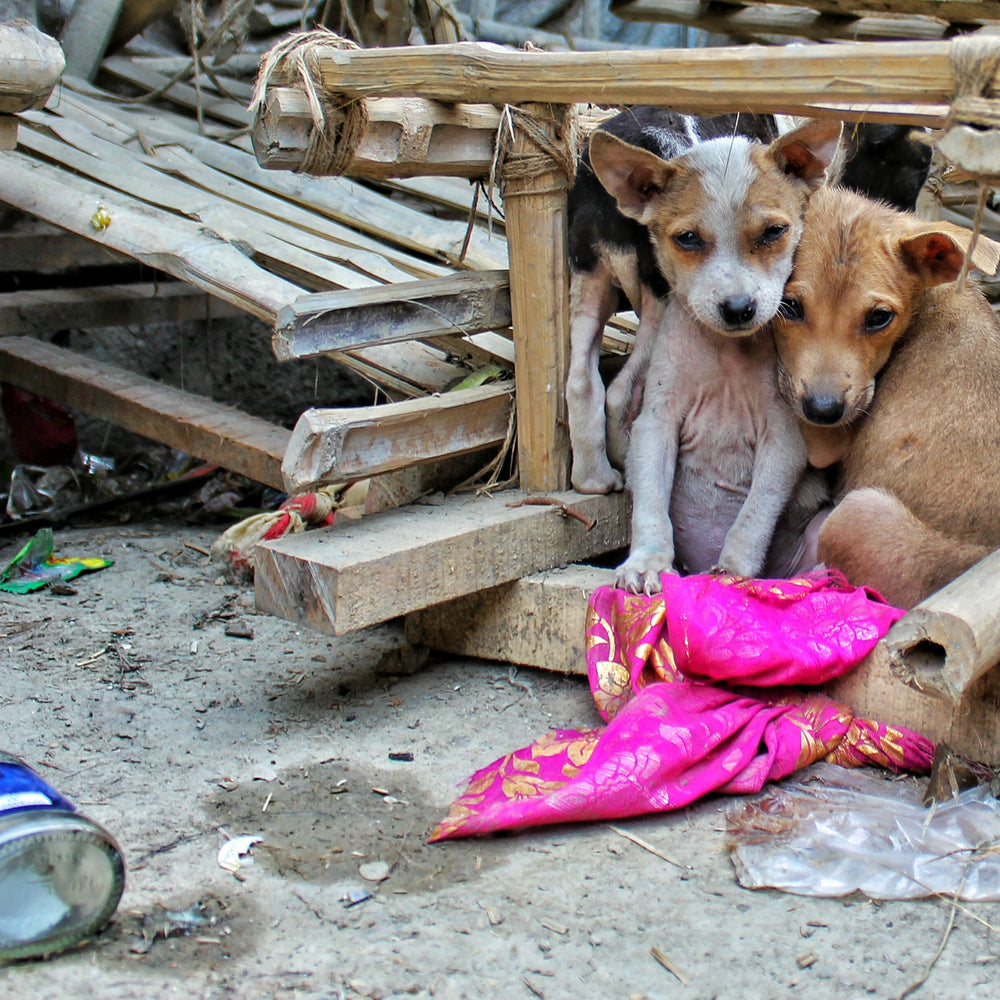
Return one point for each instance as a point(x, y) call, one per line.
point(338, 122)
point(539, 143)
point(970, 139)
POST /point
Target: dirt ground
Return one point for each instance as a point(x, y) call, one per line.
point(131, 698)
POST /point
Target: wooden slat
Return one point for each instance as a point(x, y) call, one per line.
point(337, 445)
point(87, 33)
point(8, 131)
point(94, 306)
point(162, 240)
point(358, 573)
point(334, 321)
point(537, 621)
point(194, 424)
point(760, 19)
point(30, 66)
point(706, 81)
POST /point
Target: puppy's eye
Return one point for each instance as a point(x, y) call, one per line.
point(791, 309)
point(878, 319)
point(689, 240)
point(772, 234)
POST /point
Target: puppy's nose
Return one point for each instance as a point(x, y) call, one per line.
point(823, 409)
point(738, 310)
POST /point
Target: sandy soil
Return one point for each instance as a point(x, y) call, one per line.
point(130, 697)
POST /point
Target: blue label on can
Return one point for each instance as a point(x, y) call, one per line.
point(22, 789)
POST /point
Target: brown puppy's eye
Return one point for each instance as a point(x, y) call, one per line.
point(791, 309)
point(878, 319)
point(772, 234)
point(689, 240)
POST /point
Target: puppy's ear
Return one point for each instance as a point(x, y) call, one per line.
point(938, 249)
point(632, 175)
point(808, 151)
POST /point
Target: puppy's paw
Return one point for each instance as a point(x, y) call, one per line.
point(640, 573)
point(736, 564)
point(596, 478)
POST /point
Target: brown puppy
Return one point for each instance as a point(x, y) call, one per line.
point(894, 369)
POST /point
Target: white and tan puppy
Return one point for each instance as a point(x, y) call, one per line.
point(715, 455)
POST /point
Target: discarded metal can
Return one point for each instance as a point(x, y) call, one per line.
point(61, 874)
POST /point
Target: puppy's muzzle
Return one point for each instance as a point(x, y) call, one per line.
point(738, 311)
point(824, 409)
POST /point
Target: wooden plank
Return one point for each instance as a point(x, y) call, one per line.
point(740, 20)
point(337, 445)
point(535, 210)
point(194, 424)
point(537, 621)
point(165, 241)
point(706, 81)
point(362, 572)
point(91, 307)
point(30, 66)
point(465, 303)
point(86, 35)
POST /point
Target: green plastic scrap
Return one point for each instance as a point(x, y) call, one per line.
point(35, 566)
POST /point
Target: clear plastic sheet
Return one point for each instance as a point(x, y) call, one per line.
point(835, 830)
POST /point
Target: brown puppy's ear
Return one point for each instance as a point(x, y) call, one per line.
point(808, 151)
point(938, 249)
point(632, 175)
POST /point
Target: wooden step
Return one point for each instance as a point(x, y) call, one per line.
point(359, 573)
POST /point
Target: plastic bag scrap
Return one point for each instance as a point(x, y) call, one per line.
point(838, 830)
point(35, 566)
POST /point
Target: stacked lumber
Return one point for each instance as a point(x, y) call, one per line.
point(311, 259)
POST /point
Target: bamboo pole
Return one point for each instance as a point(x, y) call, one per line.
point(535, 212)
point(947, 642)
point(705, 81)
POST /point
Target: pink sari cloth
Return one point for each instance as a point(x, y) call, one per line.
point(660, 672)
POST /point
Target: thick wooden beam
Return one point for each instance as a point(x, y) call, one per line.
point(30, 66)
point(706, 81)
point(334, 321)
point(535, 212)
point(194, 424)
point(91, 307)
point(359, 573)
point(537, 621)
point(404, 136)
point(338, 445)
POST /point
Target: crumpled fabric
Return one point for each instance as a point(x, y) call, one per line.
point(35, 566)
point(663, 671)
